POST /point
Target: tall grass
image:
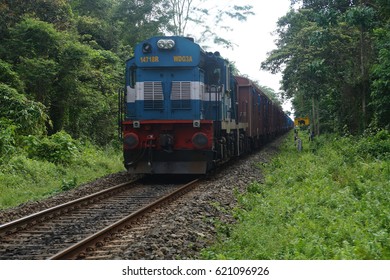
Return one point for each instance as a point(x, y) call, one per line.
point(330, 201)
point(51, 165)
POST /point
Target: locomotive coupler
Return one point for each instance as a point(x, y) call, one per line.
point(166, 142)
point(150, 141)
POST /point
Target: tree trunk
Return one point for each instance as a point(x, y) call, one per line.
point(315, 116)
point(363, 75)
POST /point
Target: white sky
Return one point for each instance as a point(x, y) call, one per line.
point(254, 39)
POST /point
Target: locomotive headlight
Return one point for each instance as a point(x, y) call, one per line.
point(170, 44)
point(200, 140)
point(166, 44)
point(161, 44)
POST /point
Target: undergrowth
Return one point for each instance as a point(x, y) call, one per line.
point(330, 201)
point(40, 167)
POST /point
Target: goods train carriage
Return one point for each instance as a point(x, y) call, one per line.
point(265, 120)
point(256, 109)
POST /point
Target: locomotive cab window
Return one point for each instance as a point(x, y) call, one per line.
point(216, 76)
point(132, 76)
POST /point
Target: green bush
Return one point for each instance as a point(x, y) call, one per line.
point(29, 116)
point(58, 148)
point(377, 145)
point(69, 184)
point(9, 77)
point(7, 139)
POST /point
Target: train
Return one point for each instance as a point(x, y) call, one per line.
point(185, 112)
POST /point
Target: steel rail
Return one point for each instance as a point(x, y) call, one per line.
point(98, 239)
point(13, 226)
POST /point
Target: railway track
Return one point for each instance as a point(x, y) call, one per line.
point(69, 230)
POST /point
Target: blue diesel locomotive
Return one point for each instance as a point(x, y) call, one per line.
point(182, 110)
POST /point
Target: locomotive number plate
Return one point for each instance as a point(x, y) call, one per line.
point(182, 58)
point(146, 59)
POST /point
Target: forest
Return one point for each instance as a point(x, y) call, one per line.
point(62, 63)
point(335, 59)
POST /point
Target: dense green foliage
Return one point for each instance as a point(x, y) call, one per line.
point(49, 165)
point(334, 56)
point(330, 201)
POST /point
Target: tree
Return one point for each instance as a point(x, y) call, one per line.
point(29, 117)
point(57, 12)
point(97, 33)
point(32, 38)
point(33, 48)
point(95, 24)
point(100, 9)
point(85, 92)
point(39, 75)
point(10, 77)
point(362, 17)
point(301, 51)
point(74, 81)
point(138, 20)
point(180, 15)
point(325, 51)
point(380, 94)
point(207, 21)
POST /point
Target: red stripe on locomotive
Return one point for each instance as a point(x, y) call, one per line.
point(173, 134)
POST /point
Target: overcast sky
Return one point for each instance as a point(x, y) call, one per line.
point(254, 40)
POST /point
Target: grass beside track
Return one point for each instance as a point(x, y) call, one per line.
point(330, 201)
point(25, 179)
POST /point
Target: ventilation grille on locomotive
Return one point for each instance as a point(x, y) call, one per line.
point(181, 95)
point(153, 96)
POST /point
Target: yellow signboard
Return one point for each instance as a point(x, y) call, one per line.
point(302, 121)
